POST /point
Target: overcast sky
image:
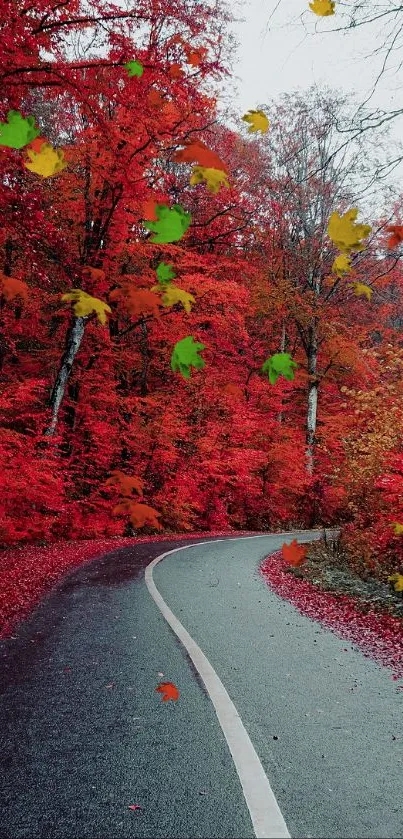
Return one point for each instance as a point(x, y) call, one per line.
point(280, 51)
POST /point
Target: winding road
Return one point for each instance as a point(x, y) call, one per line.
point(281, 728)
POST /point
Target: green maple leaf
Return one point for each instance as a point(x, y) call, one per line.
point(17, 132)
point(165, 274)
point(280, 364)
point(172, 224)
point(185, 355)
point(134, 68)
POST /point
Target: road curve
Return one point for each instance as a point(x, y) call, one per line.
point(84, 734)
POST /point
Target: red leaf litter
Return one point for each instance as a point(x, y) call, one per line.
point(378, 636)
point(28, 573)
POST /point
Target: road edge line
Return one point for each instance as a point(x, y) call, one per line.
point(265, 813)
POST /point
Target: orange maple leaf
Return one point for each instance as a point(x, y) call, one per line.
point(138, 301)
point(96, 274)
point(397, 235)
point(125, 483)
point(195, 57)
point(140, 514)
point(175, 71)
point(294, 553)
point(37, 144)
point(199, 152)
point(169, 690)
point(170, 112)
point(154, 98)
point(11, 288)
point(233, 390)
point(149, 210)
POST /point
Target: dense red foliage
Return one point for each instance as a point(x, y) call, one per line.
point(224, 448)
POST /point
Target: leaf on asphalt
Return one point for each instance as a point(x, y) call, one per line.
point(134, 807)
point(294, 553)
point(169, 691)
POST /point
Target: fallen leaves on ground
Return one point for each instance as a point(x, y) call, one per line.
point(169, 691)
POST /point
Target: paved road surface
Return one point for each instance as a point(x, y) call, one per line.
point(75, 753)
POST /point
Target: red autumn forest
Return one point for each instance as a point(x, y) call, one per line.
point(101, 435)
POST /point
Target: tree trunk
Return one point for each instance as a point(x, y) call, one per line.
point(145, 355)
point(73, 341)
point(282, 349)
point(312, 409)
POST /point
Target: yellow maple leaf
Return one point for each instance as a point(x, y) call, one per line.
point(341, 265)
point(345, 234)
point(257, 121)
point(84, 304)
point(215, 178)
point(173, 294)
point(397, 580)
point(398, 528)
point(47, 162)
point(323, 8)
point(361, 288)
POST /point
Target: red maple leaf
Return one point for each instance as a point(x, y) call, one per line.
point(294, 553)
point(397, 235)
point(169, 690)
point(198, 152)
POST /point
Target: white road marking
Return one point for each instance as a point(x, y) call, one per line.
point(266, 816)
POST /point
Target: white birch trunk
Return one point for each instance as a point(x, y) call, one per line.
point(73, 341)
point(312, 409)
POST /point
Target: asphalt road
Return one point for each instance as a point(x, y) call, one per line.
point(83, 734)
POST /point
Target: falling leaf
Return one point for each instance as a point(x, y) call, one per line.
point(154, 98)
point(96, 274)
point(341, 265)
point(134, 807)
point(398, 528)
point(37, 144)
point(257, 121)
point(134, 68)
point(175, 71)
point(233, 390)
point(149, 210)
point(84, 305)
point(171, 225)
point(361, 288)
point(214, 178)
point(345, 234)
point(195, 57)
point(140, 514)
point(397, 235)
point(17, 132)
point(165, 274)
point(397, 580)
point(294, 553)
point(47, 162)
point(323, 8)
point(173, 294)
point(12, 288)
point(198, 152)
point(185, 355)
point(168, 690)
point(137, 301)
point(170, 113)
point(280, 364)
point(126, 484)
